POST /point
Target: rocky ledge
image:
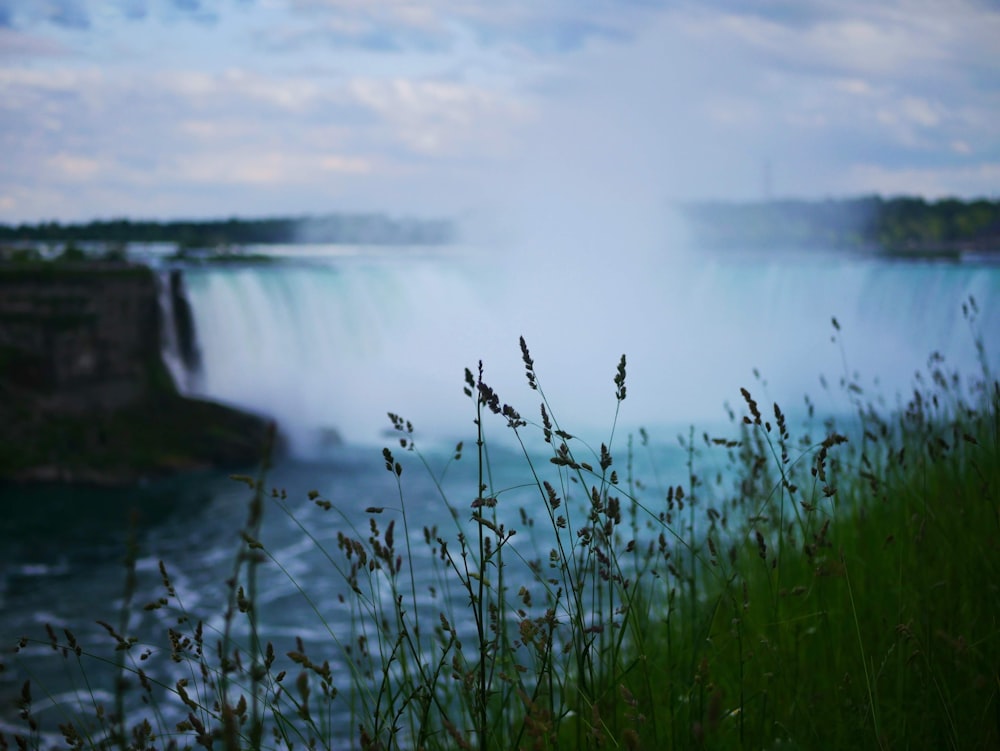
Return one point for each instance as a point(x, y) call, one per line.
point(84, 394)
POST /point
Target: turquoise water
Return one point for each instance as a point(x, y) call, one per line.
point(329, 345)
point(65, 550)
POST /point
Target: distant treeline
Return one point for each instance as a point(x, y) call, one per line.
point(892, 224)
point(362, 229)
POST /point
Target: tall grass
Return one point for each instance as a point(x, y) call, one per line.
point(832, 586)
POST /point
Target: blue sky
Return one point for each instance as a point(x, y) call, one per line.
point(194, 108)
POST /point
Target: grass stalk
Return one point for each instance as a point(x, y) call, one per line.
point(745, 611)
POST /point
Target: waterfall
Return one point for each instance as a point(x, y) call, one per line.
point(328, 347)
point(177, 329)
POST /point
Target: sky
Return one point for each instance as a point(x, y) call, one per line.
point(166, 109)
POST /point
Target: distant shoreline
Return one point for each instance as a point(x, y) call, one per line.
point(360, 229)
point(900, 227)
point(903, 227)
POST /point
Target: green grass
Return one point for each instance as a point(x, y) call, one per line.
point(832, 588)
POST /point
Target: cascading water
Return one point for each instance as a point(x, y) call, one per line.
point(178, 347)
point(328, 340)
point(329, 345)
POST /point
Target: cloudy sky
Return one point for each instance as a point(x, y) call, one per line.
point(209, 108)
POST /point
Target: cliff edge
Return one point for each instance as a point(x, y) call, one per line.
point(84, 394)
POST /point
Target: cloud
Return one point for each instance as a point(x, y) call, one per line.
point(278, 169)
point(68, 13)
point(703, 104)
point(371, 29)
point(82, 15)
point(453, 103)
point(73, 168)
point(16, 45)
point(554, 27)
point(981, 179)
point(297, 140)
point(434, 118)
point(134, 10)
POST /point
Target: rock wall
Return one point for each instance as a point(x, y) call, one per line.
point(79, 338)
point(84, 394)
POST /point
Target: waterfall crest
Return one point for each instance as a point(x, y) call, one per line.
point(329, 347)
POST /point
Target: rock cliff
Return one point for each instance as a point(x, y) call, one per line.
point(84, 394)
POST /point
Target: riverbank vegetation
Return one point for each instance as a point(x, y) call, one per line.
point(897, 225)
point(816, 586)
point(907, 226)
point(361, 229)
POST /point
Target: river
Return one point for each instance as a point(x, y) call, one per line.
point(327, 340)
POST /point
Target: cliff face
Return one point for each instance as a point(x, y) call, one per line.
point(78, 339)
point(84, 395)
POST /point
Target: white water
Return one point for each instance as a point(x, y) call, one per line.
point(330, 341)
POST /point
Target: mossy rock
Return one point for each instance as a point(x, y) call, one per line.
point(149, 439)
point(84, 393)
